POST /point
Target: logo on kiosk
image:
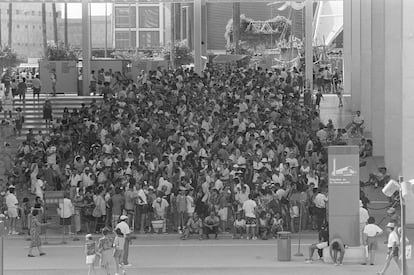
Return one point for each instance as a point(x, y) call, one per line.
point(346, 171)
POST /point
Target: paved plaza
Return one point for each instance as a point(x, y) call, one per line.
point(166, 254)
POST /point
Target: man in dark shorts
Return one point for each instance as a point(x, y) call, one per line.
point(36, 85)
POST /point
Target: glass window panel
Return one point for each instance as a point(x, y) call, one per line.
point(149, 17)
point(149, 39)
point(125, 17)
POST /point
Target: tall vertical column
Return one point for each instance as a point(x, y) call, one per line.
point(308, 43)
point(0, 27)
point(86, 48)
point(347, 54)
point(197, 36)
point(44, 34)
point(377, 75)
point(203, 30)
point(393, 87)
point(356, 55)
point(66, 26)
point(407, 89)
point(365, 69)
point(236, 26)
point(55, 27)
point(10, 29)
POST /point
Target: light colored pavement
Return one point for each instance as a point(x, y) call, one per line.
point(171, 256)
point(341, 117)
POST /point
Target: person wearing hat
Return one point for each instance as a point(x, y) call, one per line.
point(12, 209)
point(90, 251)
point(124, 227)
point(393, 246)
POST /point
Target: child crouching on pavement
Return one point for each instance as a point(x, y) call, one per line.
point(276, 224)
point(194, 226)
point(264, 225)
point(239, 227)
point(90, 251)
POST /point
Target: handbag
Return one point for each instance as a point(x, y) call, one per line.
point(97, 212)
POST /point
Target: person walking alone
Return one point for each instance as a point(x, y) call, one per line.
point(393, 248)
point(35, 226)
point(124, 227)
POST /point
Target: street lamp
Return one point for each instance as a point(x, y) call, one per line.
point(402, 187)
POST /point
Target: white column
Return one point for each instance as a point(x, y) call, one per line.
point(308, 42)
point(197, 36)
point(366, 55)
point(86, 48)
point(393, 87)
point(356, 55)
point(347, 69)
point(377, 76)
point(407, 89)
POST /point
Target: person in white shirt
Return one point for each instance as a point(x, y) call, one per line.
point(358, 122)
point(320, 201)
point(12, 209)
point(65, 211)
point(393, 248)
point(124, 227)
point(249, 209)
point(278, 177)
point(363, 219)
point(39, 186)
point(371, 231)
point(142, 207)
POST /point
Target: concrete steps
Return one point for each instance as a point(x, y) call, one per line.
point(33, 109)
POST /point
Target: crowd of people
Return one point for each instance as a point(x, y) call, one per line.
point(230, 150)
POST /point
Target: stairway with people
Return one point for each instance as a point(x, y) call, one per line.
point(32, 110)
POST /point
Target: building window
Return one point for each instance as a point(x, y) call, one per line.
point(125, 39)
point(125, 17)
point(149, 39)
point(34, 26)
point(17, 12)
point(33, 13)
point(149, 17)
point(25, 26)
point(18, 26)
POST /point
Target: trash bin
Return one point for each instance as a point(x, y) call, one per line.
point(283, 247)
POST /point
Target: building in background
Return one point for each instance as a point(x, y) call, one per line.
point(140, 26)
point(97, 32)
point(27, 27)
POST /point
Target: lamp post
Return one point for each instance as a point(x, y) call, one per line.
point(389, 189)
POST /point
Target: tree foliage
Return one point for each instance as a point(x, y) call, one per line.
point(8, 58)
point(60, 52)
point(182, 54)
